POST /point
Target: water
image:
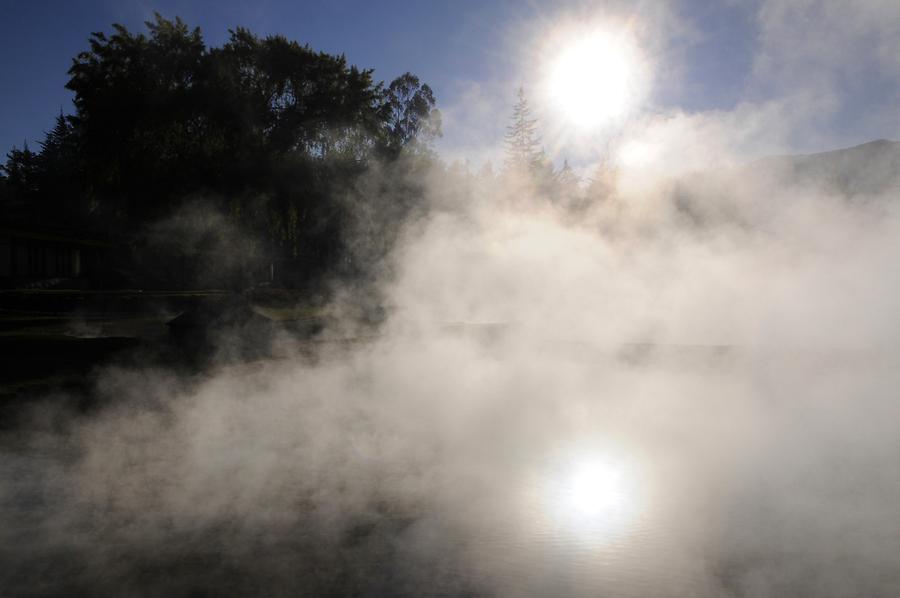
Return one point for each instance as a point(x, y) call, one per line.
point(742, 477)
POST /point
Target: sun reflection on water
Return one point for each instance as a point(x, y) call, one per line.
point(595, 490)
point(593, 498)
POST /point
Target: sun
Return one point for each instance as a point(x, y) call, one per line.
point(593, 79)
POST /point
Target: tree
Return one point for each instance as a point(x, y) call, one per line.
point(566, 176)
point(22, 169)
point(602, 184)
point(139, 112)
point(412, 116)
point(289, 98)
point(523, 151)
point(60, 171)
point(19, 183)
point(566, 185)
point(264, 129)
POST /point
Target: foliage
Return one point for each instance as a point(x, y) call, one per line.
point(412, 114)
point(523, 146)
point(566, 186)
point(21, 170)
point(270, 132)
point(525, 158)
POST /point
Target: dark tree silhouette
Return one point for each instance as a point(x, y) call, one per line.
point(412, 113)
point(22, 169)
point(61, 171)
point(271, 133)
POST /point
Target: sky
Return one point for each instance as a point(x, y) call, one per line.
point(734, 60)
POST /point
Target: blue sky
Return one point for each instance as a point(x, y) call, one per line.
point(439, 42)
point(712, 57)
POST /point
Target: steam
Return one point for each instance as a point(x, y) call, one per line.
point(725, 341)
point(186, 242)
point(736, 366)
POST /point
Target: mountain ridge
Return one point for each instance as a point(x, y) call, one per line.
point(867, 169)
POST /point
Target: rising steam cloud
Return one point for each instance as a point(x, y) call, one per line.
point(727, 340)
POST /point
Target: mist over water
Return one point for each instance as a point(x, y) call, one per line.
point(689, 389)
point(683, 386)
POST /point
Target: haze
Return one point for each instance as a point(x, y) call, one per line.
point(650, 350)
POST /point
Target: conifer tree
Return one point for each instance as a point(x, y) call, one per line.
point(523, 151)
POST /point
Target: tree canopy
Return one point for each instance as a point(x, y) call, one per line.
point(270, 131)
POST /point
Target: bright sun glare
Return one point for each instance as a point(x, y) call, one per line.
point(594, 496)
point(592, 79)
point(594, 490)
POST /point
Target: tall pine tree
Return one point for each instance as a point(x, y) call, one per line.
point(523, 150)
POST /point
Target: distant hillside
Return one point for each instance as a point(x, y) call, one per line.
point(859, 174)
point(868, 169)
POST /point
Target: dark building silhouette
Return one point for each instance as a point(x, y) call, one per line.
point(44, 258)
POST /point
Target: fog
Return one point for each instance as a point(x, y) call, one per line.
point(686, 387)
point(723, 345)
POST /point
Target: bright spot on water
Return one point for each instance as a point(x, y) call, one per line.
point(596, 496)
point(595, 490)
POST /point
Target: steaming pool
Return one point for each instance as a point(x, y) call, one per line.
point(664, 476)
